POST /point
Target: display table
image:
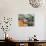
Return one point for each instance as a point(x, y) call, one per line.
point(27, 42)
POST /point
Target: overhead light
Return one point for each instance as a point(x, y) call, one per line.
point(35, 3)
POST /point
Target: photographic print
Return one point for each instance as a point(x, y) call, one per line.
point(25, 20)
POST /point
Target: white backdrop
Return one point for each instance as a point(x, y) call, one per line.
point(12, 8)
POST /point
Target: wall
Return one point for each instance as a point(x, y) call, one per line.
point(11, 8)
